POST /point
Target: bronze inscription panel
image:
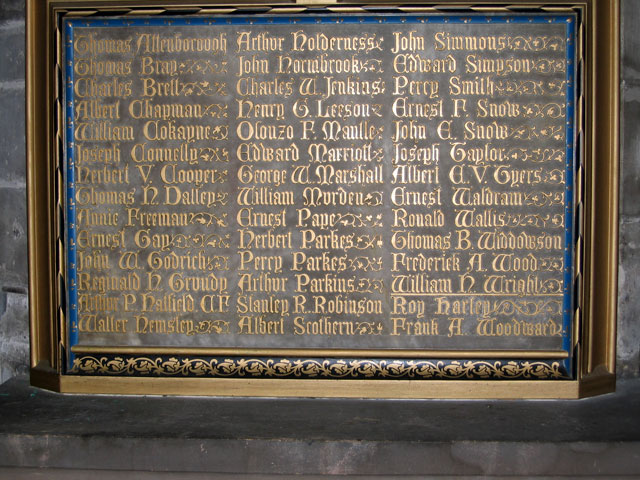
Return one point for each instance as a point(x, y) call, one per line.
point(368, 183)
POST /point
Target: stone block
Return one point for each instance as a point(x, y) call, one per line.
point(630, 151)
point(630, 40)
point(13, 239)
point(12, 140)
point(12, 39)
point(628, 347)
point(12, 9)
point(14, 335)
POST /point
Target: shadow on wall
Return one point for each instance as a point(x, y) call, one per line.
point(14, 335)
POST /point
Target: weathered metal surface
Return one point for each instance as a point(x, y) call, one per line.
point(360, 183)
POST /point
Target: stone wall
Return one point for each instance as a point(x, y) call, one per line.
point(14, 343)
point(629, 275)
point(14, 324)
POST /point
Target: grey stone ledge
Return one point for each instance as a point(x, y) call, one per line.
point(258, 436)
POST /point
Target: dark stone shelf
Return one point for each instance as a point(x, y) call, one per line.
point(595, 436)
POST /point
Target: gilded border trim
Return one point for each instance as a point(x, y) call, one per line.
point(314, 368)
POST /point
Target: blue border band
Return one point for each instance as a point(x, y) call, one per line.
point(322, 18)
point(69, 179)
point(571, 164)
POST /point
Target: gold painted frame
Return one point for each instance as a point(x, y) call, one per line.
point(594, 335)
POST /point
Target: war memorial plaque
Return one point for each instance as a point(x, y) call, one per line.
point(320, 195)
